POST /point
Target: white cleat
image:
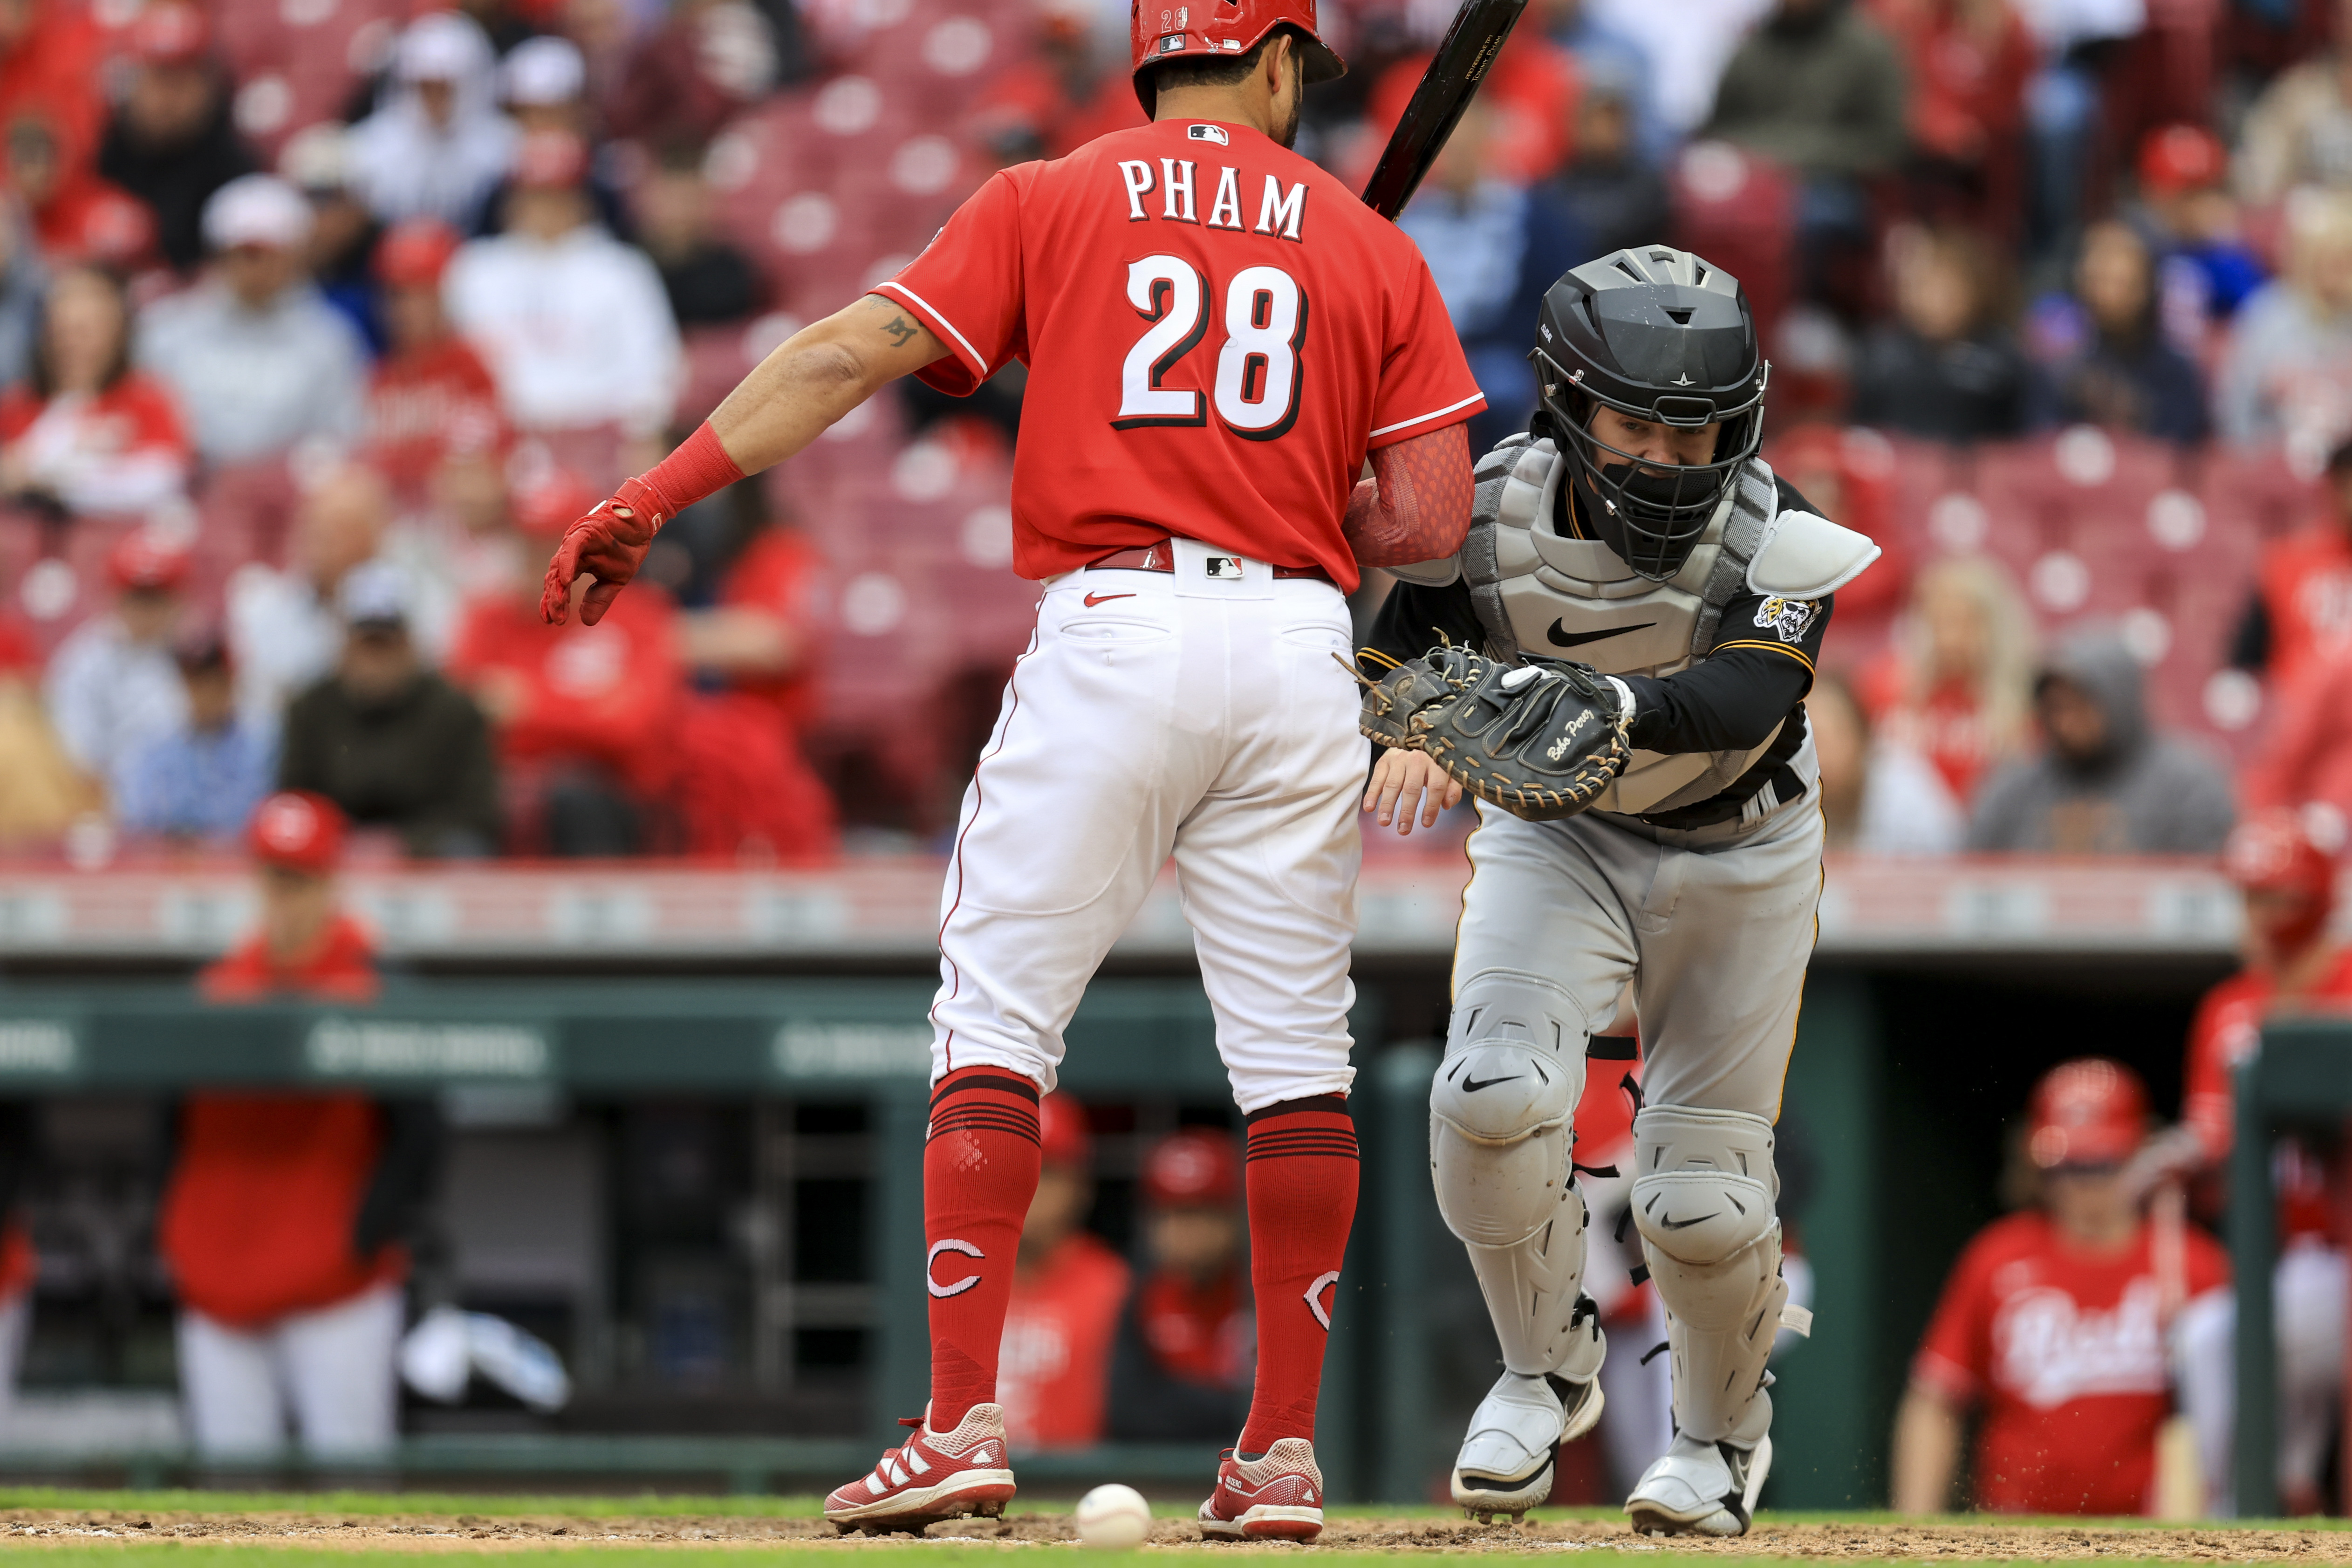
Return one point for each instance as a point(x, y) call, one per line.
point(1700, 1489)
point(1506, 1463)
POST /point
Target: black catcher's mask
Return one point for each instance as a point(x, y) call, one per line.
point(1656, 334)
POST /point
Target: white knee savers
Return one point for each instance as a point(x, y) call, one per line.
point(1703, 1191)
point(1501, 1132)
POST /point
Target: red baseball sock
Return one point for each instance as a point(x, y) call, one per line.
point(980, 1171)
point(1302, 1199)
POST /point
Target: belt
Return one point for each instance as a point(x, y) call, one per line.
point(1161, 558)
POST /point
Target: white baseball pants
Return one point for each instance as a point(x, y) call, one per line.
point(1155, 713)
point(332, 1367)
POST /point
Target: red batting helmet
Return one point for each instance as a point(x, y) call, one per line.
point(2276, 852)
point(1188, 29)
point(1196, 1168)
point(1062, 1136)
point(2090, 1111)
point(298, 830)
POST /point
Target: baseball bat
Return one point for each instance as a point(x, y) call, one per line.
point(1472, 41)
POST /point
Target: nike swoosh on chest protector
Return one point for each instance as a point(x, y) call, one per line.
point(1560, 637)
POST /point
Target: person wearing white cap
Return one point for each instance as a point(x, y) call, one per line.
point(259, 361)
point(440, 144)
point(545, 83)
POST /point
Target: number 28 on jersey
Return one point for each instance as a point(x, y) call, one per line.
point(1260, 312)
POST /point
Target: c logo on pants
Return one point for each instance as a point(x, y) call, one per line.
point(1315, 1297)
point(969, 1280)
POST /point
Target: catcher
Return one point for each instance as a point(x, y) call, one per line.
point(1649, 823)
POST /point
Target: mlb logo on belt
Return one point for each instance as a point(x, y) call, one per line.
point(1222, 567)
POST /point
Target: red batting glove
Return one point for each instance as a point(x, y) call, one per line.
point(609, 544)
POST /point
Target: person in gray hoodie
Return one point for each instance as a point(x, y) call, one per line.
point(2105, 783)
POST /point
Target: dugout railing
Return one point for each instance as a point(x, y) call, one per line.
point(836, 1040)
point(1410, 1353)
point(2301, 1076)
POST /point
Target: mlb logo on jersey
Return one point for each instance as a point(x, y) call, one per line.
point(1209, 133)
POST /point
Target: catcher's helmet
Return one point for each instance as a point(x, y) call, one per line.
point(1159, 31)
point(1656, 334)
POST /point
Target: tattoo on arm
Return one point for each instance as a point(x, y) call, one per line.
point(901, 331)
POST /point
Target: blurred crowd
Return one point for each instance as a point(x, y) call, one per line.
point(320, 318)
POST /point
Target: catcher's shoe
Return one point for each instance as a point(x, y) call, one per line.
point(1506, 1463)
point(1276, 1497)
point(935, 1476)
point(1700, 1489)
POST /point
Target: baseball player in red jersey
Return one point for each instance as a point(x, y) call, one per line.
point(2288, 879)
point(2054, 1323)
point(1217, 335)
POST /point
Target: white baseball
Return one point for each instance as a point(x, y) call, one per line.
point(1114, 1517)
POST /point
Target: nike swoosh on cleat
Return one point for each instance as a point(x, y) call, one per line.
point(1560, 637)
point(1093, 599)
point(1473, 1084)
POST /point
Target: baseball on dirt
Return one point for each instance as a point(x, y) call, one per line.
point(1114, 1516)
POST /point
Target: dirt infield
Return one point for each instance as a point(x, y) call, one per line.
point(1941, 1542)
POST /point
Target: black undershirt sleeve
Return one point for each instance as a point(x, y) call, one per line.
point(1412, 620)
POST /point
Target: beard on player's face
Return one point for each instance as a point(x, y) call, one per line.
point(1287, 131)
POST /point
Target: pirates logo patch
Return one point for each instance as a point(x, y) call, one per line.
point(1788, 619)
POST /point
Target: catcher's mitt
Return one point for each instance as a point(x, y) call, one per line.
point(1541, 740)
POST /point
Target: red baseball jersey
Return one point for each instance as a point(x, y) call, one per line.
point(257, 1218)
point(1199, 1332)
point(2227, 1028)
point(2064, 1352)
point(1053, 1363)
point(1216, 332)
point(2305, 583)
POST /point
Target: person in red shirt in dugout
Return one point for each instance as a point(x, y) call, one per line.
point(2282, 864)
point(1187, 1344)
point(1067, 1289)
point(280, 1217)
point(2054, 1324)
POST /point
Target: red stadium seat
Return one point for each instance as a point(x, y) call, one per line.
point(1739, 211)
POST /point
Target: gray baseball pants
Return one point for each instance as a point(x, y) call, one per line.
point(1712, 926)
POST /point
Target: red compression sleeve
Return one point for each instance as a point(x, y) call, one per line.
point(980, 1171)
point(701, 467)
point(1301, 1185)
point(1416, 505)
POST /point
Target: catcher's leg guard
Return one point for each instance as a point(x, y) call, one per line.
point(1703, 1199)
point(1500, 1134)
point(1500, 1137)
